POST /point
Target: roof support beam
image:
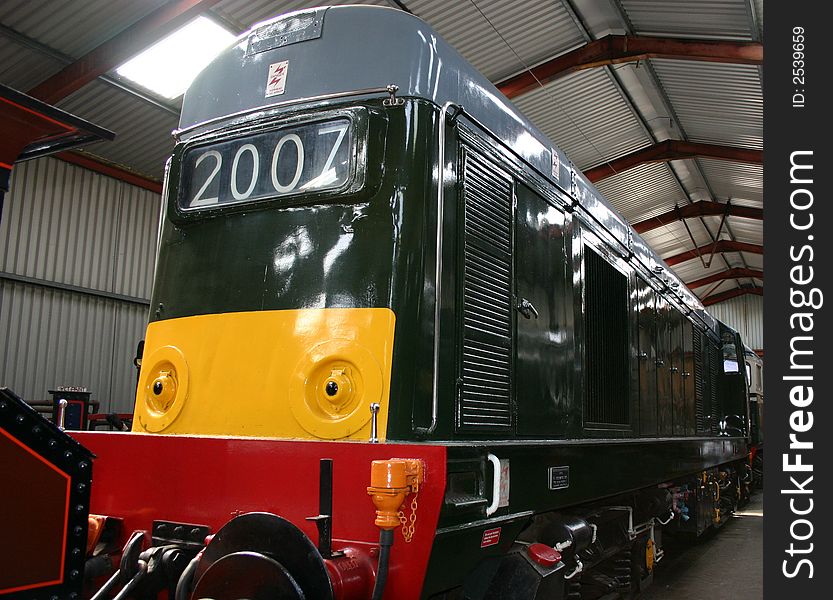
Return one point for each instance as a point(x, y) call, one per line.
point(674, 150)
point(718, 246)
point(615, 49)
point(704, 208)
point(93, 164)
point(119, 48)
point(735, 273)
point(733, 293)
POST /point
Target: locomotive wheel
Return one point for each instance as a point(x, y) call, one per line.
point(249, 575)
point(266, 546)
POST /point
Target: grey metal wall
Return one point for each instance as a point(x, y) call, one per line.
point(76, 258)
point(746, 314)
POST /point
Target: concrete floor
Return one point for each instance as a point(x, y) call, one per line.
point(693, 572)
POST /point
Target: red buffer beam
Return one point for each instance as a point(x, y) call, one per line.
point(719, 246)
point(703, 208)
point(674, 150)
point(615, 49)
point(119, 48)
point(735, 273)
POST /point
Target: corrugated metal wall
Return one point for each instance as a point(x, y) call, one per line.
point(76, 260)
point(746, 314)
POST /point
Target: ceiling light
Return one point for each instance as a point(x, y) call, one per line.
point(170, 65)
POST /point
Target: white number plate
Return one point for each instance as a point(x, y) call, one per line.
point(295, 160)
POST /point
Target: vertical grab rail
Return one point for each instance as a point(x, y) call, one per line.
point(435, 395)
point(62, 411)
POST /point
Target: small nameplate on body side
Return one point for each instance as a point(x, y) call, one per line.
point(559, 478)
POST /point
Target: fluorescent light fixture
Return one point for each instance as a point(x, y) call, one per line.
point(170, 65)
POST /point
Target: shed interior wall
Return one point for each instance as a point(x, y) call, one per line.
point(77, 251)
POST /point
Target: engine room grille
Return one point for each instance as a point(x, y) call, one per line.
point(606, 342)
point(714, 369)
point(485, 395)
point(699, 383)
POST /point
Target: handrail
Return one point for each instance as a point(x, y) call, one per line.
point(435, 393)
point(492, 508)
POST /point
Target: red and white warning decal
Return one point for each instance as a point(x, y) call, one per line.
point(276, 83)
point(490, 537)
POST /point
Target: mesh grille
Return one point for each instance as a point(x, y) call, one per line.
point(606, 342)
point(485, 398)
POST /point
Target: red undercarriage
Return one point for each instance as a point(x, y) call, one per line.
point(207, 481)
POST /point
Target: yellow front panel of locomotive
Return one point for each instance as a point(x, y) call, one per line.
point(309, 374)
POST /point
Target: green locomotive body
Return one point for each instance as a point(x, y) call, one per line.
point(362, 243)
point(531, 323)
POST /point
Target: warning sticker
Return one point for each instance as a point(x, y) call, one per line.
point(490, 537)
point(276, 83)
point(556, 165)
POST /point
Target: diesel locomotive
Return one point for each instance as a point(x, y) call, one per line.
point(398, 347)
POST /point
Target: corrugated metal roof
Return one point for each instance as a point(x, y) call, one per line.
point(25, 67)
point(642, 192)
point(694, 269)
point(535, 30)
point(722, 19)
point(73, 27)
point(741, 182)
point(586, 116)
point(143, 132)
point(716, 103)
point(747, 230)
point(754, 261)
point(673, 238)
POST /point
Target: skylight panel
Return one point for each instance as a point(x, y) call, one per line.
point(170, 65)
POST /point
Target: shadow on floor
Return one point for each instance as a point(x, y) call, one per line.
point(704, 568)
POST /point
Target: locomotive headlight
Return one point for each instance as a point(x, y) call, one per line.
point(332, 389)
point(338, 387)
point(163, 386)
point(163, 391)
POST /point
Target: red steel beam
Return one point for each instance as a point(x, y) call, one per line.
point(733, 293)
point(674, 150)
point(734, 273)
point(615, 49)
point(703, 208)
point(719, 246)
point(119, 48)
point(88, 162)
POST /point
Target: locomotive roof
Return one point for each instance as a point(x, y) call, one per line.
point(339, 49)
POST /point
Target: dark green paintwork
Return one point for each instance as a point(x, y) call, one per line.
point(597, 470)
point(374, 247)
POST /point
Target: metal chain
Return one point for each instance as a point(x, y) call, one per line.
point(409, 524)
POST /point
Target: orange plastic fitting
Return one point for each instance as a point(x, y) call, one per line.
point(390, 483)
